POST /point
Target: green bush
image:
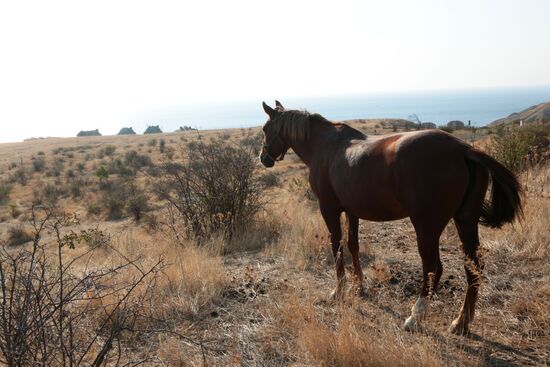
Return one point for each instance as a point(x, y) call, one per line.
point(89, 133)
point(519, 148)
point(154, 129)
point(126, 131)
point(102, 173)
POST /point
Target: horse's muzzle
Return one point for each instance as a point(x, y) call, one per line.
point(267, 161)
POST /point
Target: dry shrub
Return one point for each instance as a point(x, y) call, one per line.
point(347, 342)
point(536, 180)
point(303, 237)
point(215, 190)
point(18, 235)
point(520, 148)
point(529, 238)
point(5, 190)
point(60, 310)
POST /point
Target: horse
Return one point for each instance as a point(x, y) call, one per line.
point(429, 176)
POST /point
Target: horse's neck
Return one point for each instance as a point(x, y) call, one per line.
point(306, 149)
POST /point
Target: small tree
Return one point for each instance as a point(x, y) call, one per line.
point(154, 129)
point(215, 190)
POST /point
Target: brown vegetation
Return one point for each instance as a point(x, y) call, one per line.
point(261, 299)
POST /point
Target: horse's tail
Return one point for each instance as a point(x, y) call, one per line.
point(506, 193)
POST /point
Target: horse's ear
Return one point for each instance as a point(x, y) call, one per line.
point(279, 106)
point(270, 111)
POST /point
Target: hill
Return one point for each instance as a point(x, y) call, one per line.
point(261, 299)
point(539, 113)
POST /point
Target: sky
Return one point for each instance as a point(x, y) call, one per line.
point(72, 65)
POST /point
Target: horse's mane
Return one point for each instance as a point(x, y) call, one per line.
point(296, 124)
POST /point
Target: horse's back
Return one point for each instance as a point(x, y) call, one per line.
point(431, 172)
point(395, 176)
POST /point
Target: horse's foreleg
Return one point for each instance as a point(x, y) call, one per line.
point(332, 220)
point(353, 245)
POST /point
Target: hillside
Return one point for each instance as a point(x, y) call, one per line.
point(539, 113)
point(262, 299)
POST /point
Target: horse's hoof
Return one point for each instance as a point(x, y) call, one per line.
point(336, 294)
point(458, 327)
point(411, 324)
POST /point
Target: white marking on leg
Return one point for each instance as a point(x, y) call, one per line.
point(418, 313)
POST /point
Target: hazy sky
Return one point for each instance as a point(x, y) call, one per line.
point(71, 65)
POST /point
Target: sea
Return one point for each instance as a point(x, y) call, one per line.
point(479, 106)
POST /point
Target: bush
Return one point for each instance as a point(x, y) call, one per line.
point(519, 148)
point(20, 176)
point(54, 311)
point(102, 173)
point(269, 179)
point(152, 143)
point(162, 146)
point(107, 150)
point(114, 200)
point(93, 209)
point(89, 133)
point(38, 164)
point(52, 193)
point(57, 168)
point(214, 191)
point(80, 167)
point(126, 131)
point(75, 188)
point(136, 161)
point(14, 210)
point(153, 130)
point(5, 190)
point(17, 235)
point(137, 202)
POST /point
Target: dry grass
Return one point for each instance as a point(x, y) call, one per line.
point(261, 299)
point(304, 238)
point(345, 340)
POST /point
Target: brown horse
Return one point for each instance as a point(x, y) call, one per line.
point(429, 176)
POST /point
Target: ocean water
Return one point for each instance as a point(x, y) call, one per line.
point(480, 106)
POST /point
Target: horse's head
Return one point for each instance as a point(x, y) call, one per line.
point(274, 147)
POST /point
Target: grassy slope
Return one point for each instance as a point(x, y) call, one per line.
point(269, 306)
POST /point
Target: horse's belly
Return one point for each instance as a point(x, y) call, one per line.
point(376, 210)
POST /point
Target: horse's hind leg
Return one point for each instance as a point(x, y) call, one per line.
point(466, 221)
point(428, 246)
point(332, 220)
point(353, 245)
point(468, 233)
